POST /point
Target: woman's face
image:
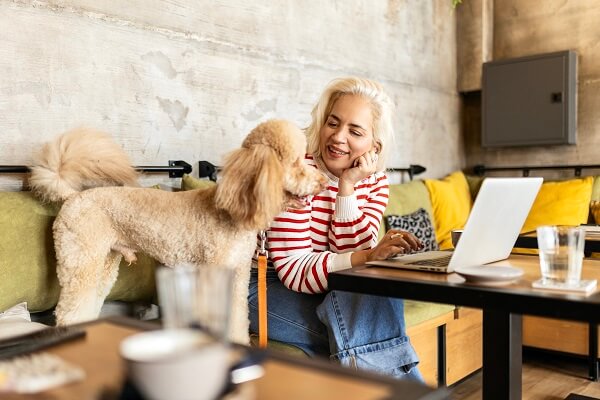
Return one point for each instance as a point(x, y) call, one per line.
point(347, 133)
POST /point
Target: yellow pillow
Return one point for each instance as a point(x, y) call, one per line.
point(561, 203)
point(451, 203)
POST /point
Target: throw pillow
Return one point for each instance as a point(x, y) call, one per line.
point(561, 203)
point(16, 321)
point(405, 198)
point(18, 311)
point(417, 223)
point(188, 182)
point(451, 203)
point(474, 183)
point(596, 189)
point(595, 210)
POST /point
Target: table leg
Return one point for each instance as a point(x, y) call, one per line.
point(441, 358)
point(593, 351)
point(502, 355)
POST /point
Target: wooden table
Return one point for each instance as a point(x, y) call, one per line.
point(503, 307)
point(286, 377)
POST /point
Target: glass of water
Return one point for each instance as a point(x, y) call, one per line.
point(196, 297)
point(561, 254)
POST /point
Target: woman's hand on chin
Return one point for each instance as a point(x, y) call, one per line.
point(363, 167)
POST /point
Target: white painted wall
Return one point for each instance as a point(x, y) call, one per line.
point(183, 79)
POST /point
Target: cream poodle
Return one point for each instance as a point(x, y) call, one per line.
point(95, 228)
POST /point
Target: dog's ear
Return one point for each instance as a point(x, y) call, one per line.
point(250, 186)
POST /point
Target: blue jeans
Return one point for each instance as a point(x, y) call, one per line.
point(362, 331)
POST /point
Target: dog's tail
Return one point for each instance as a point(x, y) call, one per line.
point(79, 159)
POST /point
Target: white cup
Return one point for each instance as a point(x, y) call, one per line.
point(196, 296)
point(176, 364)
point(561, 254)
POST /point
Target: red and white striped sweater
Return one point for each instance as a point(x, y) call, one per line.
point(306, 244)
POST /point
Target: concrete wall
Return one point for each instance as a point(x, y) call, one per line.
point(185, 79)
point(525, 27)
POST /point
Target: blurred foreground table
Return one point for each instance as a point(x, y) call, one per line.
point(286, 377)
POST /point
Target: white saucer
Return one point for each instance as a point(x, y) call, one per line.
point(491, 275)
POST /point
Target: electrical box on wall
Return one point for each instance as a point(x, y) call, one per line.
point(529, 101)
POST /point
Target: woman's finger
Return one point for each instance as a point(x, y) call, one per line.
point(393, 233)
point(395, 250)
point(406, 239)
point(374, 156)
point(412, 240)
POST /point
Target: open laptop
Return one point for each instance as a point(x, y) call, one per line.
point(499, 212)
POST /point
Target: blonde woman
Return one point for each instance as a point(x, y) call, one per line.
point(348, 140)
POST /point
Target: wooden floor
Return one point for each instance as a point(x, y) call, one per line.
point(545, 376)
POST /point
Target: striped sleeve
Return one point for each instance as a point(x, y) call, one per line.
point(357, 218)
point(298, 266)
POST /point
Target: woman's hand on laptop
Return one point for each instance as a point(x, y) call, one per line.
point(393, 243)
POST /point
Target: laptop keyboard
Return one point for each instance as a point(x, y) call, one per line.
point(434, 262)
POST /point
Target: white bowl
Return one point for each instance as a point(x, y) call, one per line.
point(176, 364)
point(490, 274)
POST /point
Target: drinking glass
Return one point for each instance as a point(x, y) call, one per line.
point(561, 254)
point(196, 297)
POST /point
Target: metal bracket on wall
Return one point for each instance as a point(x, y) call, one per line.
point(412, 170)
point(209, 170)
point(480, 170)
point(176, 169)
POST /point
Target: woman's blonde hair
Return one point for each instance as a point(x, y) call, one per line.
point(381, 107)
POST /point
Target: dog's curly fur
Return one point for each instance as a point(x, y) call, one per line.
point(95, 228)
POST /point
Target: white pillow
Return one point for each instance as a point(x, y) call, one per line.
point(16, 321)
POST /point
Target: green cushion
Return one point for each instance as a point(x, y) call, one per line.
point(416, 312)
point(596, 189)
point(136, 281)
point(406, 198)
point(474, 184)
point(188, 182)
point(279, 346)
point(28, 263)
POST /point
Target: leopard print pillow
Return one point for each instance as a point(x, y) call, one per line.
point(418, 223)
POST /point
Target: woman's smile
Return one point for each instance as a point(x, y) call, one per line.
point(347, 133)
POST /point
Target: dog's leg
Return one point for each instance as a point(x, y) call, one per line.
point(82, 295)
point(239, 326)
point(128, 254)
point(86, 267)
